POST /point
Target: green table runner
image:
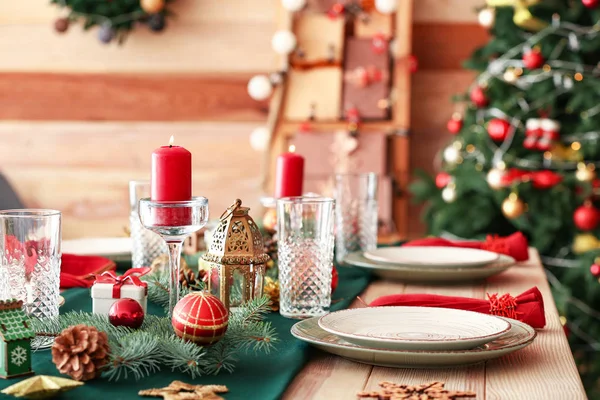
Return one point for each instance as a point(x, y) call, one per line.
point(262, 376)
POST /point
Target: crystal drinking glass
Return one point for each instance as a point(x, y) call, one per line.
point(305, 228)
point(174, 221)
point(146, 245)
point(30, 255)
point(355, 213)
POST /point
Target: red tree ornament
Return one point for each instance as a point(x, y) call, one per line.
point(498, 129)
point(442, 180)
point(334, 278)
point(595, 270)
point(478, 97)
point(455, 124)
point(126, 312)
point(586, 217)
point(413, 63)
point(379, 43)
point(590, 3)
point(533, 59)
point(201, 318)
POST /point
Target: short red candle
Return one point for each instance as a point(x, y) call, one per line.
point(289, 174)
point(171, 173)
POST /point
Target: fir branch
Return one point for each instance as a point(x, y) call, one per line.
point(253, 311)
point(183, 356)
point(134, 353)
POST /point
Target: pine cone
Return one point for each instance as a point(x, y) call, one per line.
point(80, 351)
point(187, 278)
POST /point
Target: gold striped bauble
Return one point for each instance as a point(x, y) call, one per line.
point(201, 318)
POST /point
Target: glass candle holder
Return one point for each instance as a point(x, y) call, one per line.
point(146, 245)
point(305, 253)
point(30, 255)
point(355, 213)
point(174, 221)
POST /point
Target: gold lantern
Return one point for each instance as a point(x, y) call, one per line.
point(236, 258)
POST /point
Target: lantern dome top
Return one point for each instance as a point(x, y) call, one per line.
point(237, 240)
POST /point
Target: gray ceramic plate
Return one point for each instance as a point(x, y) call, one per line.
point(429, 275)
point(519, 336)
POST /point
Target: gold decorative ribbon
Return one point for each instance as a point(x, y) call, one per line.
point(522, 16)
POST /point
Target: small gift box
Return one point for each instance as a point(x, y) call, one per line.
point(109, 287)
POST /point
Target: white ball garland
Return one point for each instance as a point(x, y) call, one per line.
point(487, 17)
point(293, 5)
point(494, 178)
point(283, 42)
point(386, 6)
point(451, 154)
point(449, 194)
point(259, 138)
point(259, 87)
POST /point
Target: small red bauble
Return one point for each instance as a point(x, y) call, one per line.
point(334, 278)
point(379, 43)
point(413, 63)
point(586, 217)
point(595, 270)
point(478, 97)
point(442, 180)
point(126, 312)
point(533, 59)
point(498, 129)
point(590, 3)
point(454, 125)
point(201, 318)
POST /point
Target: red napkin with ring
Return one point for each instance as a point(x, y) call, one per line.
point(527, 307)
point(515, 245)
point(81, 271)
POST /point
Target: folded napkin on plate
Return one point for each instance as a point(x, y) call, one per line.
point(514, 245)
point(80, 271)
point(527, 307)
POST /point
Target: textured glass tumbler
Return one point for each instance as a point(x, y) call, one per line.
point(355, 213)
point(305, 252)
point(30, 254)
point(146, 245)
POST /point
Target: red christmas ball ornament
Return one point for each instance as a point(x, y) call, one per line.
point(413, 63)
point(126, 312)
point(442, 180)
point(533, 59)
point(595, 270)
point(201, 318)
point(379, 43)
point(590, 3)
point(334, 278)
point(478, 97)
point(586, 217)
point(498, 129)
point(455, 124)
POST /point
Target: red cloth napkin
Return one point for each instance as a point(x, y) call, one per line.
point(527, 307)
point(514, 245)
point(80, 271)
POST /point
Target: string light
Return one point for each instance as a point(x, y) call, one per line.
point(578, 76)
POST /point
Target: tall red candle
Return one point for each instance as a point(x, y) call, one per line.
point(171, 173)
point(289, 174)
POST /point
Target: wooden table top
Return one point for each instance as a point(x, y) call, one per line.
point(544, 370)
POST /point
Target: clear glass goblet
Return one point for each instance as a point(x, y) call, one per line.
point(174, 221)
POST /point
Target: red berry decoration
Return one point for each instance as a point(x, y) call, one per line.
point(455, 124)
point(413, 63)
point(442, 180)
point(595, 270)
point(126, 312)
point(334, 278)
point(478, 97)
point(201, 318)
point(586, 217)
point(533, 59)
point(498, 129)
point(590, 3)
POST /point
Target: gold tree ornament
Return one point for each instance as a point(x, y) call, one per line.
point(585, 173)
point(236, 258)
point(41, 387)
point(152, 6)
point(513, 207)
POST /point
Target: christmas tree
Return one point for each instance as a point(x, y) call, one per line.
point(524, 152)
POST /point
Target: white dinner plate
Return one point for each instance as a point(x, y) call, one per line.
point(431, 256)
point(414, 328)
point(116, 249)
point(429, 275)
point(519, 336)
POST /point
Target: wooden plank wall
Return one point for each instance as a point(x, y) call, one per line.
point(79, 119)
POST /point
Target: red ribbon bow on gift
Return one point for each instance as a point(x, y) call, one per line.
point(132, 277)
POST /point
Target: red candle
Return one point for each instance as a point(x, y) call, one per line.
point(289, 174)
point(171, 173)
